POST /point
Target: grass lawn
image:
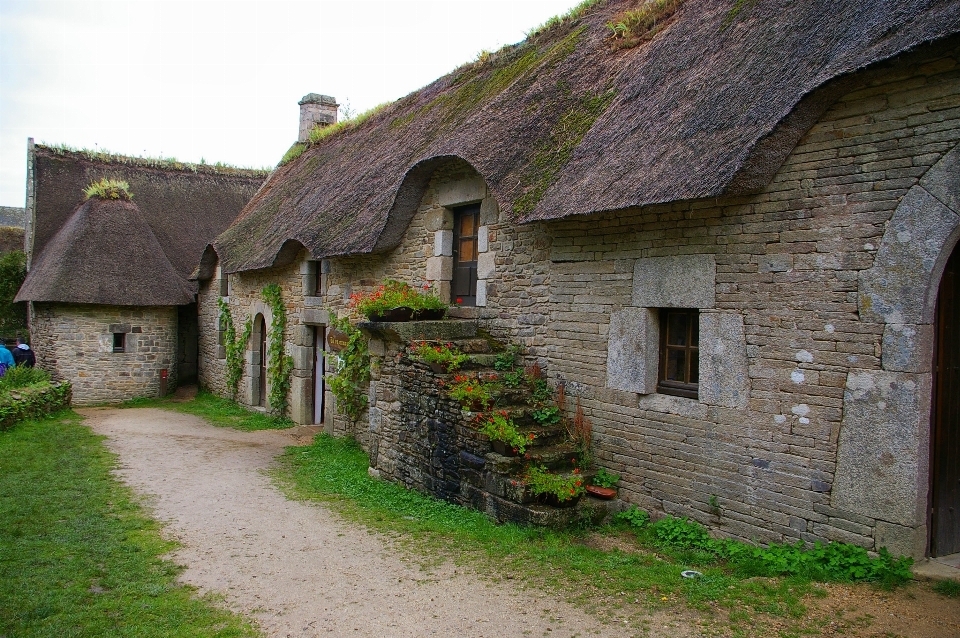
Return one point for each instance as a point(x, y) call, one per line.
point(217, 411)
point(618, 571)
point(78, 556)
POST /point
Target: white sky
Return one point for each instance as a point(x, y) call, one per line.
point(216, 80)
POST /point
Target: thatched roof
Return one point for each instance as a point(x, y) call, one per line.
point(566, 124)
point(181, 209)
point(107, 254)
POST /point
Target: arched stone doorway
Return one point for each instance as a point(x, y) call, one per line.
point(885, 464)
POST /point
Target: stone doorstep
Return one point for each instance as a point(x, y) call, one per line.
point(939, 568)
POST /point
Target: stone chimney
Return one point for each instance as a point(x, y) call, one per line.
point(316, 109)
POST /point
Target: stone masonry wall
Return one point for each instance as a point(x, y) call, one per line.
point(74, 343)
point(211, 355)
point(785, 265)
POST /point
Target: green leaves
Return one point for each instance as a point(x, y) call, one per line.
point(279, 365)
point(13, 270)
point(353, 370)
point(233, 345)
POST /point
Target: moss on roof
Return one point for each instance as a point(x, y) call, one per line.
point(566, 123)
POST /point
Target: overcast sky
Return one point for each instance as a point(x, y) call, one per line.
point(220, 81)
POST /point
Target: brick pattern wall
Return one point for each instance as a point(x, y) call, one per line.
point(74, 343)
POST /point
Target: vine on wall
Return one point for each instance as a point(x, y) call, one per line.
point(233, 345)
point(279, 365)
point(353, 370)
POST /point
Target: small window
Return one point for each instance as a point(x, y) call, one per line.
point(224, 285)
point(679, 352)
point(119, 341)
point(320, 283)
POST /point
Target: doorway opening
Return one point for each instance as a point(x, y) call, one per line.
point(463, 288)
point(319, 350)
point(945, 439)
point(260, 339)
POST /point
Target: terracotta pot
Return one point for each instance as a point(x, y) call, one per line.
point(428, 315)
point(394, 314)
point(605, 493)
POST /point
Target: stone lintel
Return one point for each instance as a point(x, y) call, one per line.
point(680, 281)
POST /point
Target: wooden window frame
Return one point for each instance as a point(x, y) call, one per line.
point(469, 298)
point(687, 388)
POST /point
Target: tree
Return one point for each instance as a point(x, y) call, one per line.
point(13, 316)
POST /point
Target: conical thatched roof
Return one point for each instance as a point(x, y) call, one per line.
point(566, 124)
point(182, 208)
point(107, 254)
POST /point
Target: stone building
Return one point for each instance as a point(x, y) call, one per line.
point(112, 308)
point(733, 243)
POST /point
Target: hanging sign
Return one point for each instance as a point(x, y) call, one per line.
point(337, 340)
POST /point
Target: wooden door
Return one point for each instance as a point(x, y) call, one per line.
point(262, 326)
point(945, 444)
point(463, 288)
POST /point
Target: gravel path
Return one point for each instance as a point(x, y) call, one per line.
point(295, 567)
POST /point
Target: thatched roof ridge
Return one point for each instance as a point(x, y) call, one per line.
point(106, 254)
point(564, 124)
point(184, 207)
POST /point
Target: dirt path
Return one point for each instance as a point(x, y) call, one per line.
point(294, 567)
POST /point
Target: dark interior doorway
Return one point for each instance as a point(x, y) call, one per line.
point(261, 332)
point(945, 442)
point(188, 340)
point(319, 343)
point(463, 288)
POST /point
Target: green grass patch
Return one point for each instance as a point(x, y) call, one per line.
point(77, 555)
point(948, 588)
point(218, 411)
point(601, 569)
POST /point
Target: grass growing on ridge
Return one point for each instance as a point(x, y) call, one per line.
point(77, 556)
point(572, 564)
point(218, 411)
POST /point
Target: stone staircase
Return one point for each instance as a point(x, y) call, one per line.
point(428, 442)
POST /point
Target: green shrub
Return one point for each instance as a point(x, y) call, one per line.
point(13, 270)
point(839, 562)
point(635, 517)
point(107, 188)
point(21, 376)
point(33, 401)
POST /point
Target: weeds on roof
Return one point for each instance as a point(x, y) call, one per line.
point(734, 12)
point(319, 133)
point(219, 168)
point(631, 28)
point(555, 152)
point(108, 188)
point(570, 16)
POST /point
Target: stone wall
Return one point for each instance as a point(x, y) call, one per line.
point(791, 357)
point(74, 343)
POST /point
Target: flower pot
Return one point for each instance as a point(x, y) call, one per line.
point(552, 500)
point(428, 315)
point(502, 448)
point(605, 493)
point(393, 314)
point(438, 368)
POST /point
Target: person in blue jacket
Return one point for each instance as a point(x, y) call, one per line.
point(6, 359)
